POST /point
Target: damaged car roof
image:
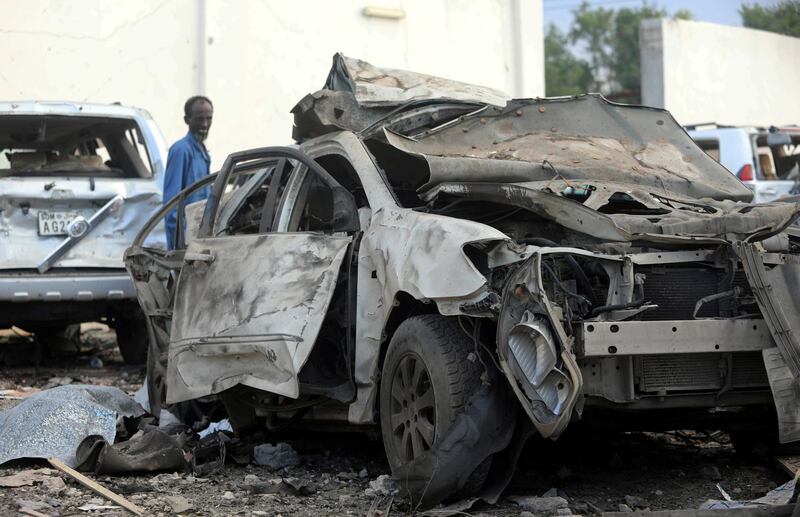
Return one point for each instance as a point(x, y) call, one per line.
point(471, 134)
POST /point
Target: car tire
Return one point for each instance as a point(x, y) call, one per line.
point(424, 408)
point(132, 338)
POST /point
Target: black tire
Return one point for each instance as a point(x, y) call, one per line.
point(132, 338)
point(441, 348)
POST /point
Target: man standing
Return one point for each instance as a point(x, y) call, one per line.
point(188, 159)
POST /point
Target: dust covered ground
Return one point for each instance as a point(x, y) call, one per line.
point(593, 472)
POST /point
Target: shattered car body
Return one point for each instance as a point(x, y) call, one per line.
point(77, 182)
point(434, 261)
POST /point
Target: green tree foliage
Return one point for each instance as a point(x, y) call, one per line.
point(594, 29)
point(783, 18)
point(610, 40)
point(564, 73)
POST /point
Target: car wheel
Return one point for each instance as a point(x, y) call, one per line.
point(132, 338)
point(426, 382)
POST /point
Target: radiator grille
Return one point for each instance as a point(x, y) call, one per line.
point(676, 290)
point(699, 372)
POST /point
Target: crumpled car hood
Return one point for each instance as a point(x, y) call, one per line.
point(580, 140)
point(673, 218)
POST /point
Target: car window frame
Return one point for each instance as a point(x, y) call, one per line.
point(303, 161)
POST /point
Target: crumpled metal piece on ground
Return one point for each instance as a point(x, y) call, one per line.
point(146, 452)
point(778, 496)
point(52, 423)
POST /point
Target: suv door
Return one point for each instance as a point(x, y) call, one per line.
point(249, 300)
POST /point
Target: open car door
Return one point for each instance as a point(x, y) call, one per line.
point(250, 298)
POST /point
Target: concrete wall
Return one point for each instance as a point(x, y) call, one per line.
point(703, 72)
point(254, 59)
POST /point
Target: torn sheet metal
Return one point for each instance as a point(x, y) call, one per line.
point(582, 139)
point(674, 219)
point(251, 313)
point(775, 290)
point(777, 496)
point(373, 86)
point(52, 423)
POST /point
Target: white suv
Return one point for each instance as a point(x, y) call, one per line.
point(77, 181)
point(766, 160)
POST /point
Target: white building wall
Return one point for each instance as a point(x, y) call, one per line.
point(704, 72)
point(254, 59)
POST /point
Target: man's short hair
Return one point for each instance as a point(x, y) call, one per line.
point(187, 108)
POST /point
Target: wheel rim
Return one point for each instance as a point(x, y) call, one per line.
point(413, 412)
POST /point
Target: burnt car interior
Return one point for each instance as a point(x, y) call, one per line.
point(76, 146)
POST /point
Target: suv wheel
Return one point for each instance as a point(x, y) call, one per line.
point(426, 382)
point(132, 337)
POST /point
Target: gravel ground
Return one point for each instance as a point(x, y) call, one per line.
point(593, 472)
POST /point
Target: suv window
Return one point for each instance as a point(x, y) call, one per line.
point(710, 146)
point(50, 145)
point(781, 162)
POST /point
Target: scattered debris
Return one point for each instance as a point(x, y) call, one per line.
point(625, 508)
point(457, 508)
point(222, 425)
point(52, 423)
point(33, 505)
point(16, 394)
point(779, 496)
point(32, 512)
point(547, 505)
point(31, 477)
point(92, 485)
point(383, 485)
point(179, 504)
point(282, 486)
point(92, 507)
point(634, 501)
point(275, 457)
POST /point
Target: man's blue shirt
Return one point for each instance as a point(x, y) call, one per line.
point(187, 162)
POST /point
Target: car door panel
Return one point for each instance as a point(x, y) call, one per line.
point(250, 316)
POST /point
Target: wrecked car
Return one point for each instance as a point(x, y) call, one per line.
point(77, 182)
point(459, 268)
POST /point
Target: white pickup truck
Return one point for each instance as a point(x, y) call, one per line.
point(77, 182)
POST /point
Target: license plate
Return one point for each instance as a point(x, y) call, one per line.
point(55, 222)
